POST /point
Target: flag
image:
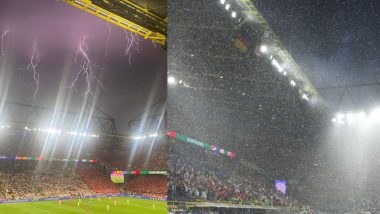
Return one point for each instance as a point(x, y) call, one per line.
point(172, 134)
point(215, 149)
point(242, 43)
point(231, 154)
point(207, 146)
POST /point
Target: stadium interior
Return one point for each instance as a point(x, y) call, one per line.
point(232, 84)
point(84, 107)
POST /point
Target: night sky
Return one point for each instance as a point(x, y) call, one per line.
point(57, 28)
point(336, 42)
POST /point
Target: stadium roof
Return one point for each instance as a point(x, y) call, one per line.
point(144, 17)
point(293, 69)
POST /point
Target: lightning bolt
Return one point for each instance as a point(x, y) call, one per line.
point(33, 63)
point(87, 67)
point(2, 43)
point(132, 43)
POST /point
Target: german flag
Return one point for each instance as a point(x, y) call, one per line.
point(242, 43)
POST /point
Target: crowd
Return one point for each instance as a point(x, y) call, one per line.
point(20, 179)
point(205, 176)
point(26, 179)
point(233, 97)
point(98, 181)
point(149, 185)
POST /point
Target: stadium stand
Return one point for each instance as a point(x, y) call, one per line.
point(97, 181)
point(233, 97)
point(25, 179)
point(32, 178)
point(151, 185)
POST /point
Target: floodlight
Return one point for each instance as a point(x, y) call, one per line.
point(277, 65)
point(263, 49)
point(228, 6)
point(361, 116)
point(153, 135)
point(171, 80)
point(375, 115)
point(351, 117)
point(292, 83)
point(233, 14)
point(222, 1)
point(304, 96)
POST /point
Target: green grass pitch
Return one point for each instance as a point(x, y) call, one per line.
point(87, 206)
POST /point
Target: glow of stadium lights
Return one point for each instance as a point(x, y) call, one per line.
point(305, 97)
point(233, 14)
point(138, 137)
point(59, 131)
point(375, 116)
point(264, 49)
point(340, 118)
point(5, 126)
point(141, 137)
point(277, 65)
point(171, 80)
point(222, 1)
point(180, 81)
point(361, 116)
point(284, 73)
point(292, 83)
point(228, 6)
point(351, 118)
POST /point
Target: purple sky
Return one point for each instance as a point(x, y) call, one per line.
point(57, 27)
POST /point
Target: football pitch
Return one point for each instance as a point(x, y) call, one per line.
point(87, 206)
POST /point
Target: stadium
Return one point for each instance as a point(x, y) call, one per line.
point(249, 132)
point(82, 107)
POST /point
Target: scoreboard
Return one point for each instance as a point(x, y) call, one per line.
point(118, 176)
